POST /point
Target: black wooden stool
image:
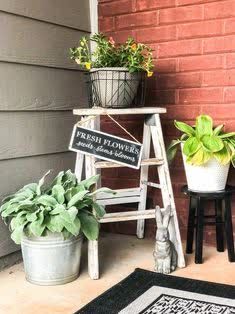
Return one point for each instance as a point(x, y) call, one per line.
point(197, 220)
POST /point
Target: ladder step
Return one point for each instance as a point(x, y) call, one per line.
point(144, 162)
point(122, 196)
point(126, 216)
point(152, 184)
point(119, 193)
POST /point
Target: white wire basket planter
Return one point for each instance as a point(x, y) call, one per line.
point(116, 88)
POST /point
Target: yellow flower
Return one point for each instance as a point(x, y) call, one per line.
point(88, 65)
point(149, 73)
point(133, 46)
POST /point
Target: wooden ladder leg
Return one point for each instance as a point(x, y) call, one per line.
point(90, 170)
point(79, 164)
point(166, 187)
point(143, 179)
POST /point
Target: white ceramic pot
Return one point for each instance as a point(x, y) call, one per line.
point(51, 260)
point(209, 177)
point(114, 87)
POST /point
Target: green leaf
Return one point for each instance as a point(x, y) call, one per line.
point(183, 127)
point(223, 156)
point(58, 193)
point(172, 150)
point(191, 146)
point(41, 182)
point(74, 227)
point(19, 220)
point(31, 186)
point(102, 190)
point(66, 234)
point(26, 205)
point(76, 198)
point(55, 224)
point(204, 125)
point(37, 227)
point(233, 160)
point(58, 179)
point(66, 217)
point(69, 179)
point(72, 191)
point(73, 212)
point(26, 194)
point(89, 182)
point(86, 202)
point(212, 143)
point(12, 208)
point(226, 135)
point(8, 198)
point(199, 158)
point(32, 216)
point(17, 234)
point(99, 210)
point(47, 200)
point(59, 208)
point(218, 129)
point(4, 206)
point(89, 226)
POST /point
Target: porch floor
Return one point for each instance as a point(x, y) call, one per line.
point(119, 256)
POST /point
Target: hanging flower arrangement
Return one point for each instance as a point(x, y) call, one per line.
point(136, 57)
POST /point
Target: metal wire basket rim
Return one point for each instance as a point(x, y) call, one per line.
point(120, 69)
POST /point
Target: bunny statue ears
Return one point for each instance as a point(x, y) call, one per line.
point(163, 217)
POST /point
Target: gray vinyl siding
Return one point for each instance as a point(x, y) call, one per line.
point(39, 87)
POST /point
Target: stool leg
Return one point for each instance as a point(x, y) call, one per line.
point(219, 226)
point(191, 225)
point(199, 231)
point(229, 229)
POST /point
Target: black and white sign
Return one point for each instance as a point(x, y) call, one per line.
point(105, 146)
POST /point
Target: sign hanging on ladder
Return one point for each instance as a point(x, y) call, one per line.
point(105, 146)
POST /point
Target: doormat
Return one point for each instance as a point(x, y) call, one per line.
point(146, 292)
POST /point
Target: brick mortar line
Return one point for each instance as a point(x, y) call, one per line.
point(167, 7)
point(195, 55)
point(180, 40)
point(173, 23)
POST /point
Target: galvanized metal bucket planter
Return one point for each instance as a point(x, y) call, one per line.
point(51, 260)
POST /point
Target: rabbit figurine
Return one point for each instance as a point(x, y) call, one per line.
point(164, 254)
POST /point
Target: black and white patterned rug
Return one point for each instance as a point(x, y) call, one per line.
point(145, 292)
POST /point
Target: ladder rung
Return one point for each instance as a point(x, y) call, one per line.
point(122, 196)
point(152, 184)
point(126, 216)
point(144, 162)
point(119, 193)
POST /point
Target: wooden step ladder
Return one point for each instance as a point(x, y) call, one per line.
point(152, 130)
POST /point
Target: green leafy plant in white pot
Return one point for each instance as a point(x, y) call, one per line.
point(207, 153)
point(49, 222)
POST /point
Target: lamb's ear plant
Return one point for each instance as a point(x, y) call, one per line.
point(65, 206)
point(203, 141)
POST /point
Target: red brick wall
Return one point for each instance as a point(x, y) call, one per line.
point(194, 57)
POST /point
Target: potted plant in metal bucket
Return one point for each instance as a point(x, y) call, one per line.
point(207, 153)
point(49, 222)
point(115, 71)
